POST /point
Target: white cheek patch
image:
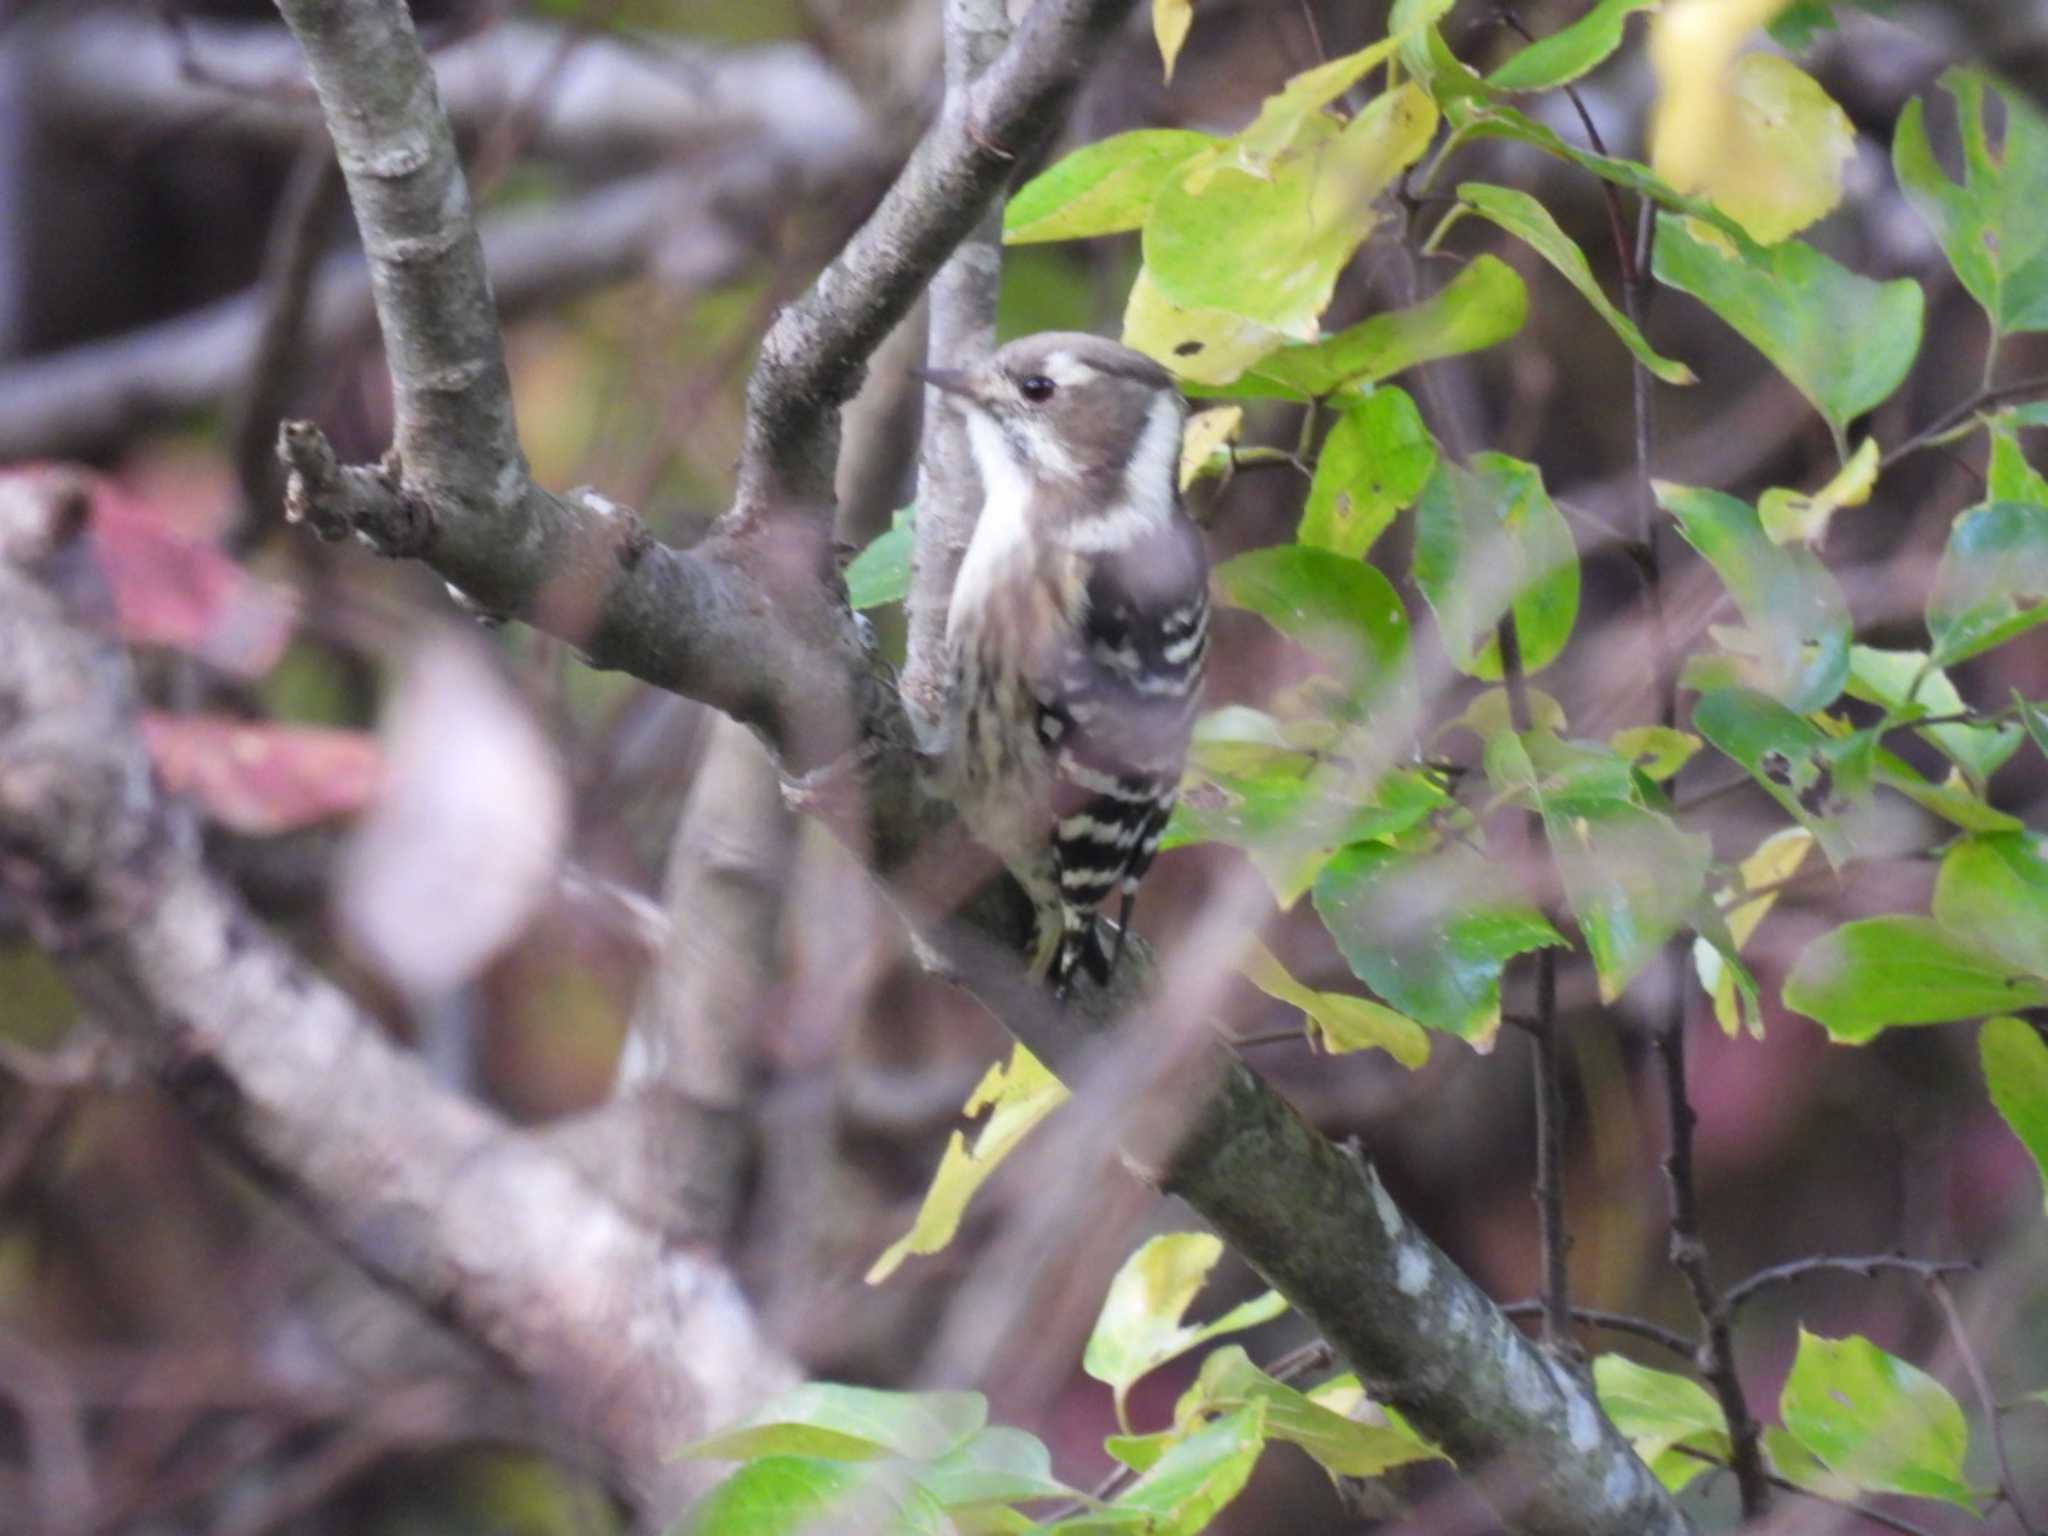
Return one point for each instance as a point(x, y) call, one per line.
point(1154, 474)
point(1047, 453)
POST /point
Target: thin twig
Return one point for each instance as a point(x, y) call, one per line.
point(1689, 1256)
point(1556, 1242)
point(1785, 1484)
point(291, 262)
point(2009, 1485)
point(1614, 1322)
point(1868, 1267)
point(1958, 416)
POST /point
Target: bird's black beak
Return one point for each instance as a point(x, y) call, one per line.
point(952, 380)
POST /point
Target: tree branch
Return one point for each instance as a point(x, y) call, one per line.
point(637, 1345)
point(760, 631)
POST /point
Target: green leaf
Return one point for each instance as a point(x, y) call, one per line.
point(1267, 246)
point(1993, 892)
point(798, 1495)
point(1992, 583)
point(1571, 51)
point(881, 573)
point(1796, 612)
point(1658, 1411)
point(1794, 27)
point(1795, 305)
point(1879, 971)
point(1337, 1022)
point(1908, 685)
point(847, 1424)
point(1489, 539)
point(1473, 118)
point(2009, 477)
point(1140, 1326)
point(1102, 188)
point(1187, 1487)
point(1871, 1418)
point(1374, 463)
point(2035, 719)
point(1344, 1445)
point(999, 1465)
point(2016, 1071)
point(1015, 1095)
point(1429, 933)
point(1796, 763)
point(1530, 222)
point(1285, 114)
point(1801, 1468)
point(1343, 612)
point(1484, 304)
point(1993, 225)
point(1631, 876)
point(1289, 819)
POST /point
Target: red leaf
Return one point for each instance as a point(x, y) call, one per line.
point(263, 779)
point(154, 536)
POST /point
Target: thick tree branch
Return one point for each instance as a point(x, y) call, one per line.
point(636, 1345)
point(963, 328)
point(1314, 1220)
point(811, 361)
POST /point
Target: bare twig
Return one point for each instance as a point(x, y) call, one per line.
point(1869, 1266)
point(1543, 1032)
point(1614, 1322)
point(290, 262)
point(1945, 1298)
point(962, 330)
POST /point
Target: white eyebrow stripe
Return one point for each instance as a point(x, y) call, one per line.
point(1065, 368)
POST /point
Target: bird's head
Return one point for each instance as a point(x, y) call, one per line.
point(1066, 411)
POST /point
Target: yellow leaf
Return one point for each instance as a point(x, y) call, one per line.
point(1203, 346)
point(1208, 434)
point(1017, 1095)
point(1788, 515)
point(1336, 1021)
point(1170, 22)
point(1777, 858)
point(1752, 132)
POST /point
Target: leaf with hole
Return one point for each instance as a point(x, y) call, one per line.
point(1993, 224)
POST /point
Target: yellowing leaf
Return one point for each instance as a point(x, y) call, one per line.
point(1140, 1326)
point(1756, 134)
point(1208, 435)
point(1202, 346)
point(1017, 1095)
point(1338, 1022)
point(1789, 515)
point(1170, 22)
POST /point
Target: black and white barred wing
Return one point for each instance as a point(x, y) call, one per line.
point(1116, 719)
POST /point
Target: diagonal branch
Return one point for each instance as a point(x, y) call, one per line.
point(1316, 1221)
point(474, 1220)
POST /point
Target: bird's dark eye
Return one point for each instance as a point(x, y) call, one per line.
point(1037, 388)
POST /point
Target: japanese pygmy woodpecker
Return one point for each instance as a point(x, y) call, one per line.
point(1077, 629)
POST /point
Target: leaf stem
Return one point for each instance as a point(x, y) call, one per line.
point(2009, 1485)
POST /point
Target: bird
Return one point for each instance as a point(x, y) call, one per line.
point(1077, 631)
